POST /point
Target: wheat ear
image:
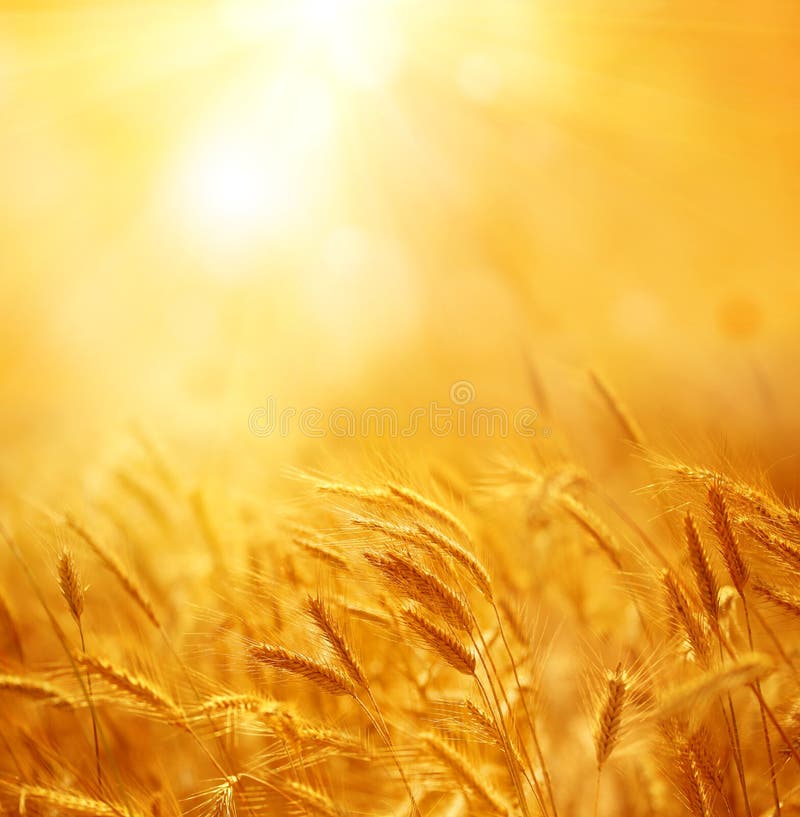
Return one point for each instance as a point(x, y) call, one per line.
point(416, 502)
point(35, 690)
point(468, 561)
point(138, 688)
point(419, 584)
point(443, 643)
point(777, 546)
point(70, 802)
point(780, 598)
point(327, 678)
point(321, 552)
point(704, 577)
point(593, 526)
point(72, 591)
point(708, 686)
point(726, 537)
point(313, 800)
point(685, 616)
point(609, 716)
point(69, 583)
point(332, 633)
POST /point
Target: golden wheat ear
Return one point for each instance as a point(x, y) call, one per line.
point(333, 634)
point(327, 678)
point(706, 581)
point(738, 569)
point(35, 689)
point(439, 641)
point(405, 577)
point(686, 617)
point(133, 686)
point(69, 582)
point(608, 720)
point(460, 555)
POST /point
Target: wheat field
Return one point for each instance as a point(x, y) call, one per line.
point(398, 409)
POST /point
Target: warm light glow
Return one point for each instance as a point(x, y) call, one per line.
point(259, 158)
point(235, 188)
point(357, 42)
point(351, 36)
point(225, 185)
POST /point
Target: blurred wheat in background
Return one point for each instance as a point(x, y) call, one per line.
point(399, 408)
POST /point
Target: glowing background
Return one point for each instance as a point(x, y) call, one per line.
point(360, 202)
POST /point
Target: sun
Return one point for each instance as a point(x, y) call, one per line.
point(259, 158)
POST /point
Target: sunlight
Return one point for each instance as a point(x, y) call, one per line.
point(354, 41)
point(234, 188)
